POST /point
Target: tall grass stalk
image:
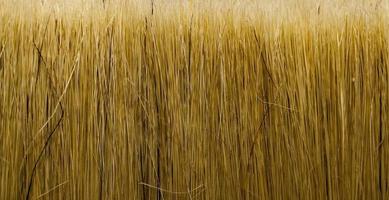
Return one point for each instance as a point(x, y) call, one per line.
point(194, 100)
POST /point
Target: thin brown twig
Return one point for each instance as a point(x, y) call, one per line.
point(42, 152)
point(39, 49)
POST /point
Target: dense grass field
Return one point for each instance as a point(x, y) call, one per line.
point(169, 99)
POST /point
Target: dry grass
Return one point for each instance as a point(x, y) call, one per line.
point(194, 100)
